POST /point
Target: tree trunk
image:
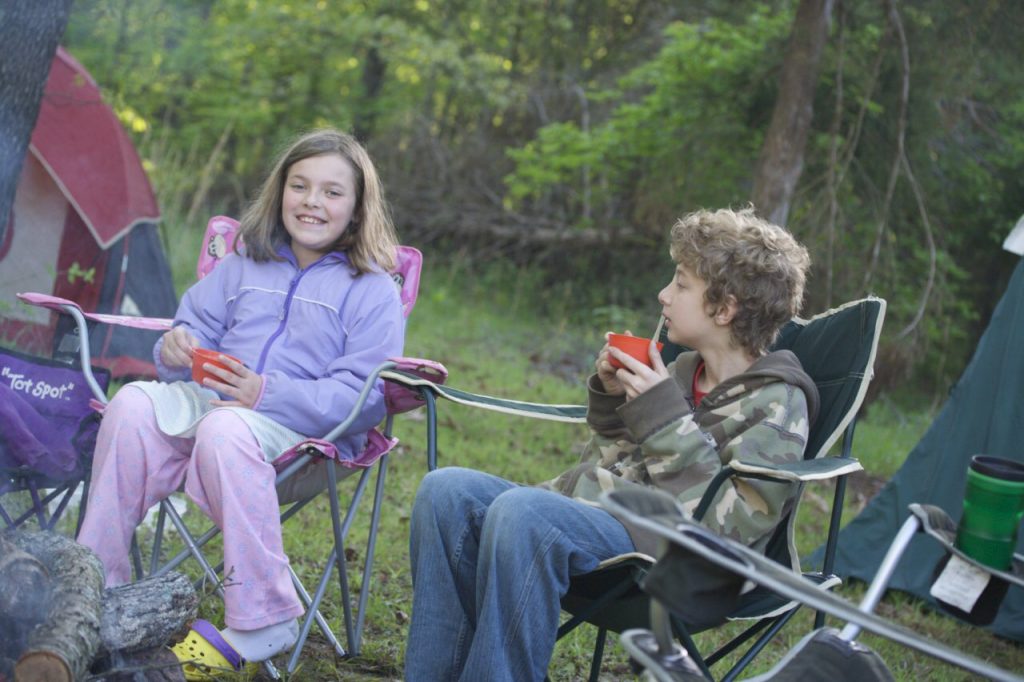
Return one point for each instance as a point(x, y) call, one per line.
point(374, 69)
point(782, 155)
point(63, 646)
point(29, 34)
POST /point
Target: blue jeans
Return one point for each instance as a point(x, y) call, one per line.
point(490, 562)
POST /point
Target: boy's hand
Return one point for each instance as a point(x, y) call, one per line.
point(606, 373)
point(176, 350)
point(636, 377)
point(241, 383)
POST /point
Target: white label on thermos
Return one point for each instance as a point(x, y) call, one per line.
point(960, 583)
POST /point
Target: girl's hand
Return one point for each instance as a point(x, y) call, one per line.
point(176, 350)
point(636, 377)
point(606, 373)
point(241, 383)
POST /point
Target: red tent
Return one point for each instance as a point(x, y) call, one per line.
point(83, 226)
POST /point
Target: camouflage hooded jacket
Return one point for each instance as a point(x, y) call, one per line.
point(658, 439)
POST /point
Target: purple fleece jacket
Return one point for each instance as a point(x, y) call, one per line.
point(314, 335)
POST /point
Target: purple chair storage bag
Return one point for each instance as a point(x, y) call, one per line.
point(47, 425)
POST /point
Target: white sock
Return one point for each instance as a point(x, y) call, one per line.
point(261, 644)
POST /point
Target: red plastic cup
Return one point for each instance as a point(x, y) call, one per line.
point(633, 346)
point(202, 356)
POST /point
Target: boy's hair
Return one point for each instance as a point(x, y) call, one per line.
point(758, 263)
point(370, 238)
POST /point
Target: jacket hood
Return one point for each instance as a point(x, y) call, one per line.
point(780, 365)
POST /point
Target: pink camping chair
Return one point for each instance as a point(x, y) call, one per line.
point(306, 470)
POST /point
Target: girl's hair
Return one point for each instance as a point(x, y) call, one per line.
point(756, 262)
point(370, 238)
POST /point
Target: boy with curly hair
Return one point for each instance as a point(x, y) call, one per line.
point(491, 559)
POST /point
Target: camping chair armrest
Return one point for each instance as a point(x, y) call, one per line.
point(820, 469)
point(67, 307)
point(571, 414)
point(424, 389)
point(304, 455)
point(63, 305)
point(805, 470)
point(364, 395)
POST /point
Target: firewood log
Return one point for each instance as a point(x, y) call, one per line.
point(24, 597)
point(149, 613)
point(23, 583)
point(63, 646)
point(51, 598)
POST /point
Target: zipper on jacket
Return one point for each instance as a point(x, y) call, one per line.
point(283, 317)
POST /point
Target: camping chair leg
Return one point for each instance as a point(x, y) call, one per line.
point(33, 511)
point(371, 544)
point(828, 562)
point(336, 559)
point(878, 584)
point(738, 641)
point(65, 492)
point(833, 536)
point(158, 536)
point(193, 549)
point(180, 557)
point(83, 501)
point(691, 647)
point(760, 644)
point(37, 505)
point(313, 613)
point(663, 626)
point(595, 660)
point(136, 557)
point(429, 401)
point(340, 533)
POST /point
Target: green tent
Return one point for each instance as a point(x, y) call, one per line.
point(983, 414)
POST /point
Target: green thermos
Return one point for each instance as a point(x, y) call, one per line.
point(993, 507)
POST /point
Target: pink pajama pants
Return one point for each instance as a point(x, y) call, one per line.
point(136, 465)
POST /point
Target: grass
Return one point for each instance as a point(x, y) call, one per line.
point(486, 332)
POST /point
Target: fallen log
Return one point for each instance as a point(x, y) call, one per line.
point(149, 613)
point(62, 647)
point(60, 624)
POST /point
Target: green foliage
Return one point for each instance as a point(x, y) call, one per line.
point(679, 132)
point(607, 119)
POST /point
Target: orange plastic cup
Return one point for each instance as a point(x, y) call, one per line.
point(633, 346)
point(202, 356)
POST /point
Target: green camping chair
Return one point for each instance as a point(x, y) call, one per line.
point(837, 349)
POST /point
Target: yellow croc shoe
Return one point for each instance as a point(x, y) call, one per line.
point(205, 655)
